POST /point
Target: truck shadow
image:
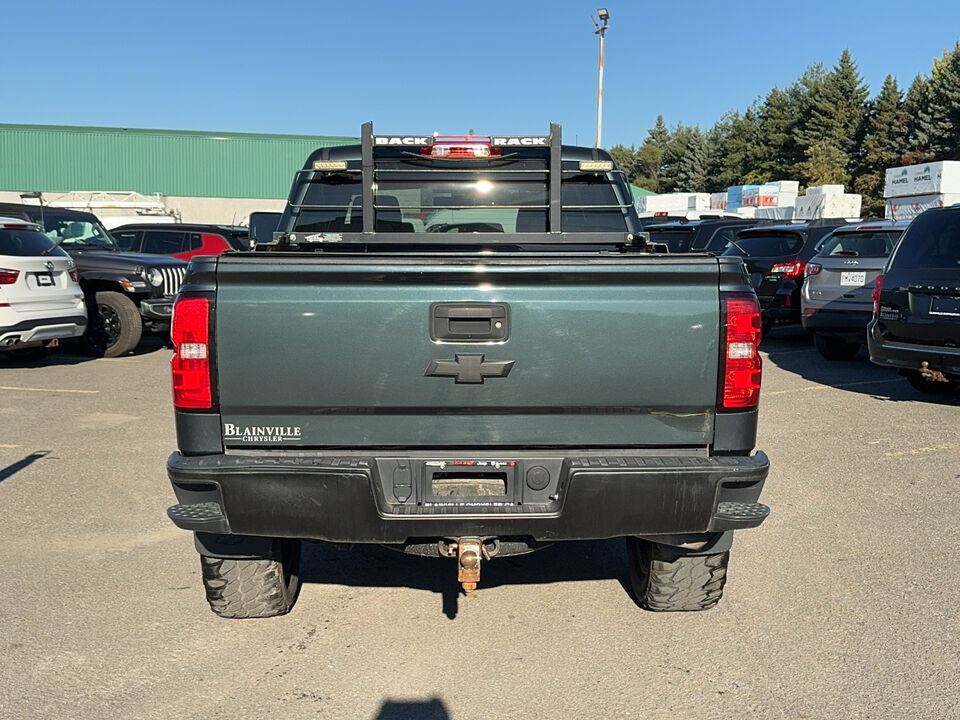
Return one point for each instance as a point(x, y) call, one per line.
point(71, 352)
point(791, 349)
point(377, 566)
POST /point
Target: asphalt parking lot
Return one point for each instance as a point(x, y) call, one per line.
point(842, 605)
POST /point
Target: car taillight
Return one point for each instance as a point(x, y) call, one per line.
point(8, 277)
point(877, 289)
point(190, 365)
point(812, 269)
point(74, 275)
point(741, 366)
point(789, 270)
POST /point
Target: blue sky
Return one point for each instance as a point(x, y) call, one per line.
point(508, 67)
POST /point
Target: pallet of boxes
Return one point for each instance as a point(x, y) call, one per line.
point(827, 201)
point(911, 189)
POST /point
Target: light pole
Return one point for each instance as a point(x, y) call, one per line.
point(600, 30)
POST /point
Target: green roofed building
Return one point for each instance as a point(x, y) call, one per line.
point(201, 176)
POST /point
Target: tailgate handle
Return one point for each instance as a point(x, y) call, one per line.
point(468, 322)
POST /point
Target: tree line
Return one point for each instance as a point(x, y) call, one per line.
point(823, 128)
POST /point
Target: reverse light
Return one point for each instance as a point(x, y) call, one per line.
point(8, 277)
point(190, 366)
point(812, 269)
point(877, 289)
point(741, 366)
point(789, 270)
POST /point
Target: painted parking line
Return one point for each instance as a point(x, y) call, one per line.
point(9, 447)
point(814, 388)
point(11, 388)
point(923, 450)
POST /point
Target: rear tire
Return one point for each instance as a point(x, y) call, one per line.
point(930, 387)
point(121, 322)
point(255, 588)
point(835, 348)
point(667, 580)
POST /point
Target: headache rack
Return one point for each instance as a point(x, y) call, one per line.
point(417, 150)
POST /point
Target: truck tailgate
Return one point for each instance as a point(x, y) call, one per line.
point(333, 351)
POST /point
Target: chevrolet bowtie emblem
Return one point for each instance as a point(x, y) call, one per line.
point(469, 368)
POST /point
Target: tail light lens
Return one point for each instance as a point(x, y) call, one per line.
point(789, 270)
point(74, 275)
point(741, 366)
point(812, 269)
point(190, 366)
point(8, 277)
point(877, 289)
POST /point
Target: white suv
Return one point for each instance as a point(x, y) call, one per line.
point(40, 298)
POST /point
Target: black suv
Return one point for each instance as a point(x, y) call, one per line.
point(776, 256)
point(125, 292)
point(704, 235)
point(916, 304)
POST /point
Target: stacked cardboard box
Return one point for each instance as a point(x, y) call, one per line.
point(827, 201)
point(718, 201)
point(673, 203)
point(761, 196)
point(911, 189)
point(775, 213)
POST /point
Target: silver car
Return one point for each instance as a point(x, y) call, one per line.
point(836, 302)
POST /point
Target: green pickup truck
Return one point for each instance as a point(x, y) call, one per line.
point(463, 347)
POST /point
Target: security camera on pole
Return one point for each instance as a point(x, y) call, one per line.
point(600, 30)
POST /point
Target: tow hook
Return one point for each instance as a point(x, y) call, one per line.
point(927, 374)
point(469, 551)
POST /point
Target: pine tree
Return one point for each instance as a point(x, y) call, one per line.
point(916, 110)
point(651, 155)
point(884, 143)
point(626, 159)
point(942, 121)
point(825, 164)
point(731, 141)
point(837, 106)
point(691, 174)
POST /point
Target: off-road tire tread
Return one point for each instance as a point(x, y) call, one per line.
point(667, 581)
point(131, 324)
point(246, 588)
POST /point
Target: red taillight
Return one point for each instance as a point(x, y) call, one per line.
point(789, 270)
point(8, 277)
point(190, 366)
point(661, 213)
point(74, 275)
point(457, 147)
point(812, 269)
point(741, 364)
point(877, 289)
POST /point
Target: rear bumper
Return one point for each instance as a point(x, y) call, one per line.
point(848, 323)
point(784, 307)
point(345, 498)
point(42, 329)
point(909, 356)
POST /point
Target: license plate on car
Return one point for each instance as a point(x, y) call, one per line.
point(945, 306)
point(853, 279)
point(44, 279)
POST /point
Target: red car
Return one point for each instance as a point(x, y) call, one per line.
point(180, 240)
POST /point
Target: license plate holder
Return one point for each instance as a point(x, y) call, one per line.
point(469, 483)
point(949, 306)
point(44, 279)
point(853, 279)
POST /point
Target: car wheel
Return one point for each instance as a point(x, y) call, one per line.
point(930, 387)
point(668, 580)
point(121, 321)
point(835, 348)
point(30, 354)
point(253, 588)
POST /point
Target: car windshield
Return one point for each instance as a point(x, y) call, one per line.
point(70, 231)
point(27, 243)
point(768, 244)
point(931, 241)
point(877, 244)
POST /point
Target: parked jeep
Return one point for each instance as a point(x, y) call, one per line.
point(125, 292)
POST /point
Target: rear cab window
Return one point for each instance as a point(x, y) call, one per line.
point(677, 240)
point(931, 241)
